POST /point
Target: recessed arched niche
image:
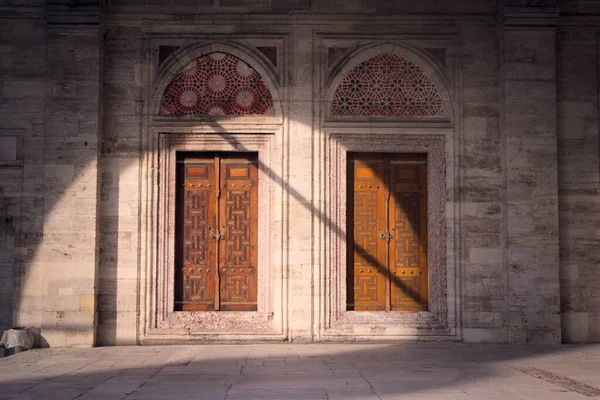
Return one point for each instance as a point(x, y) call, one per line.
point(387, 85)
point(217, 85)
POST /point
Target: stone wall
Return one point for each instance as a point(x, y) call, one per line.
point(119, 186)
point(531, 189)
point(23, 65)
point(75, 86)
point(484, 277)
point(578, 182)
point(50, 105)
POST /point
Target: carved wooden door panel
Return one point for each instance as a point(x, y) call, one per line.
point(408, 244)
point(216, 239)
point(196, 218)
point(238, 207)
point(387, 233)
point(367, 255)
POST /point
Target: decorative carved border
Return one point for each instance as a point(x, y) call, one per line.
point(363, 53)
point(439, 138)
point(183, 56)
point(224, 324)
point(342, 323)
point(161, 138)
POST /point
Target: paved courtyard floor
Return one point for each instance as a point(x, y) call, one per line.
point(305, 371)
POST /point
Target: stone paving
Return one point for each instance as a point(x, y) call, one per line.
point(445, 371)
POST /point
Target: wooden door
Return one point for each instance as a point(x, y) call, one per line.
point(238, 218)
point(387, 232)
point(368, 252)
point(408, 226)
point(216, 241)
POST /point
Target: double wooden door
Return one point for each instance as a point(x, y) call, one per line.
point(387, 232)
point(216, 239)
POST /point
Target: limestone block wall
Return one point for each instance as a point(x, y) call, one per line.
point(528, 134)
point(483, 205)
point(23, 64)
point(74, 151)
point(578, 182)
point(119, 188)
point(66, 260)
point(50, 114)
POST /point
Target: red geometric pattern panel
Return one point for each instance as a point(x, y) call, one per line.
point(215, 85)
point(387, 85)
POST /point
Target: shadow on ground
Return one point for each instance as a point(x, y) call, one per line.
point(305, 371)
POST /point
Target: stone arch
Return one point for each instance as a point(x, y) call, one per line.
point(245, 86)
point(387, 80)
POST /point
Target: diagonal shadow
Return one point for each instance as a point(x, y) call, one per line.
point(302, 371)
point(306, 203)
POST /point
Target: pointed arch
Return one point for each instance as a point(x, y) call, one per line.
point(388, 81)
point(215, 80)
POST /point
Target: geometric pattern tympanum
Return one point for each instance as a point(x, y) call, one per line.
point(217, 84)
point(384, 86)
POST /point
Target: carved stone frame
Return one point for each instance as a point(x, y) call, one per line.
point(162, 138)
point(340, 323)
point(224, 325)
point(435, 136)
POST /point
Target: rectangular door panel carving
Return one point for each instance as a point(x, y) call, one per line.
point(387, 233)
point(367, 264)
point(238, 208)
point(216, 240)
point(196, 217)
point(408, 247)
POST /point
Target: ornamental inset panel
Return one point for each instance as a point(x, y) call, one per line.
point(217, 84)
point(384, 86)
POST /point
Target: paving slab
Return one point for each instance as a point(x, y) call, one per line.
point(441, 371)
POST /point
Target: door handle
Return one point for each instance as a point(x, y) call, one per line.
point(212, 235)
point(388, 236)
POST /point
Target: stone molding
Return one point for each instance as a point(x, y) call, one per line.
point(439, 321)
point(162, 323)
point(161, 137)
point(389, 134)
point(80, 18)
point(529, 17)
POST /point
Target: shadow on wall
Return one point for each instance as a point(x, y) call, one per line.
point(334, 228)
point(113, 293)
point(7, 262)
point(112, 236)
point(113, 176)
